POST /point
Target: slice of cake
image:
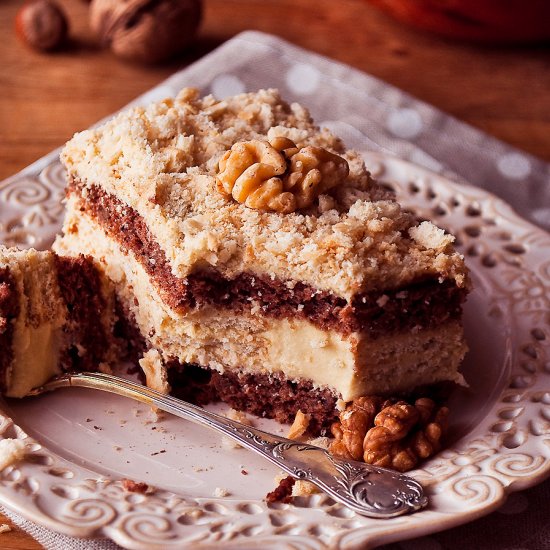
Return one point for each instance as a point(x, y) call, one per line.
point(56, 314)
point(259, 261)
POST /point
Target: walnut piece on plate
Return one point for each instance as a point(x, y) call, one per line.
point(395, 435)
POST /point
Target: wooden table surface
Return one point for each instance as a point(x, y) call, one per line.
point(45, 98)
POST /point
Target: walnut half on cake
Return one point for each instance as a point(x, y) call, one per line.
point(255, 253)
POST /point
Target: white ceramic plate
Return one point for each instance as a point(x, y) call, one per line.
point(82, 443)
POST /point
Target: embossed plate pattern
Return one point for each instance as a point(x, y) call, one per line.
point(81, 444)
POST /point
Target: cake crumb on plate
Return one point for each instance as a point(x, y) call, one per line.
point(227, 442)
point(283, 491)
point(135, 486)
point(299, 426)
point(322, 442)
point(220, 492)
point(11, 452)
point(303, 488)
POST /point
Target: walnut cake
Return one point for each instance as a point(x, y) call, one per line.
point(256, 257)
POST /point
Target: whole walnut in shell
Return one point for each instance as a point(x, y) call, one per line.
point(148, 31)
point(42, 25)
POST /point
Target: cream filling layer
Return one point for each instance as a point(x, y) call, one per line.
point(36, 357)
point(37, 337)
point(221, 339)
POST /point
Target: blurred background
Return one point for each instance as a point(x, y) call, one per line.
point(493, 73)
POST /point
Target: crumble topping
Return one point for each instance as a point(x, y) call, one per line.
point(163, 161)
point(430, 236)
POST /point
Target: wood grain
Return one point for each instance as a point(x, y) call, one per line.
point(44, 99)
point(16, 538)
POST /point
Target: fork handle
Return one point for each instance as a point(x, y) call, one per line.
point(368, 490)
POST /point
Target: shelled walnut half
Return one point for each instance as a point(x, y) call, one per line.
point(277, 175)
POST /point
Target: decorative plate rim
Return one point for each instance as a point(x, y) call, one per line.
point(508, 451)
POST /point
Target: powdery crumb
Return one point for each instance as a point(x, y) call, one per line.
point(299, 426)
point(302, 488)
point(322, 442)
point(201, 469)
point(220, 492)
point(279, 477)
point(135, 486)
point(11, 452)
point(155, 415)
point(227, 442)
point(430, 236)
point(4, 528)
point(238, 416)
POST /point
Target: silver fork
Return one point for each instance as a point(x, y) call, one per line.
point(367, 490)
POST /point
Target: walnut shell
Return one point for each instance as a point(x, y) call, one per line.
point(42, 25)
point(148, 31)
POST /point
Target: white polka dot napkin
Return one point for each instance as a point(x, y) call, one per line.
point(372, 115)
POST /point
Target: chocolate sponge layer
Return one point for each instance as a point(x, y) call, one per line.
point(9, 310)
point(426, 303)
point(268, 396)
point(80, 288)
